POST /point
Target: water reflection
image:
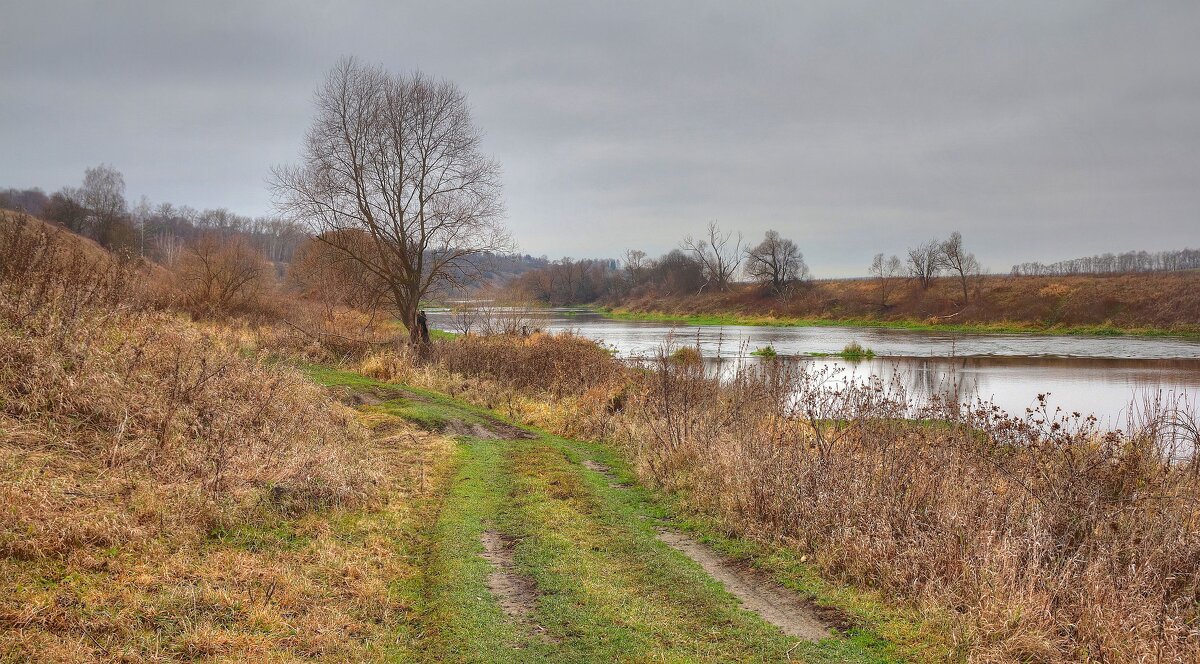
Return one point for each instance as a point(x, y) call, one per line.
point(1091, 375)
point(1097, 386)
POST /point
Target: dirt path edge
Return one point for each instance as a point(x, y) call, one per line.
point(794, 614)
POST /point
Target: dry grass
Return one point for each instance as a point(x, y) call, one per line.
point(561, 383)
point(330, 584)
point(164, 494)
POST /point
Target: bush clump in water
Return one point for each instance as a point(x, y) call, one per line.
point(687, 356)
point(856, 351)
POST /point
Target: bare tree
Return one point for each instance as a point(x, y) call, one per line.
point(718, 253)
point(103, 191)
point(397, 157)
point(636, 263)
point(65, 209)
point(956, 259)
point(103, 195)
point(925, 262)
point(776, 263)
point(887, 273)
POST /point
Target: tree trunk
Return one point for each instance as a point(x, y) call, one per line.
point(410, 322)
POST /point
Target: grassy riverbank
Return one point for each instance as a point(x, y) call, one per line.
point(1136, 304)
point(902, 324)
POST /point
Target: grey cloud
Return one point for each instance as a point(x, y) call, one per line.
point(1040, 130)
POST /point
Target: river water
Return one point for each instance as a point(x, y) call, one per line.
point(1101, 376)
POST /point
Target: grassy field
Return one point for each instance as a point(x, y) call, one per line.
point(174, 488)
point(338, 584)
point(602, 586)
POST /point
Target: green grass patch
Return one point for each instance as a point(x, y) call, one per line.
point(333, 377)
point(765, 351)
point(431, 417)
point(429, 410)
point(275, 536)
point(464, 620)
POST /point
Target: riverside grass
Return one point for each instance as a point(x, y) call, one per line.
point(732, 319)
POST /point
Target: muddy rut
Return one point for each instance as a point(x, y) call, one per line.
point(791, 612)
point(514, 592)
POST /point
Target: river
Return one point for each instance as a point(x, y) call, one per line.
point(1101, 376)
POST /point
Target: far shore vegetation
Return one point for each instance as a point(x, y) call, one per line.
point(1102, 330)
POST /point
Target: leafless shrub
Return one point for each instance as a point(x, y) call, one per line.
point(220, 277)
point(554, 364)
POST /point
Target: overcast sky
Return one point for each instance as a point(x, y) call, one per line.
point(1041, 130)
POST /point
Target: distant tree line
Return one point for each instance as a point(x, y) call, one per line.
point(98, 209)
point(1129, 261)
point(711, 262)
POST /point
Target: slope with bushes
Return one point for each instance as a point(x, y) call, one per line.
point(161, 490)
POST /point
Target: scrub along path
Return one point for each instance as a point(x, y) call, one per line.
point(542, 548)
